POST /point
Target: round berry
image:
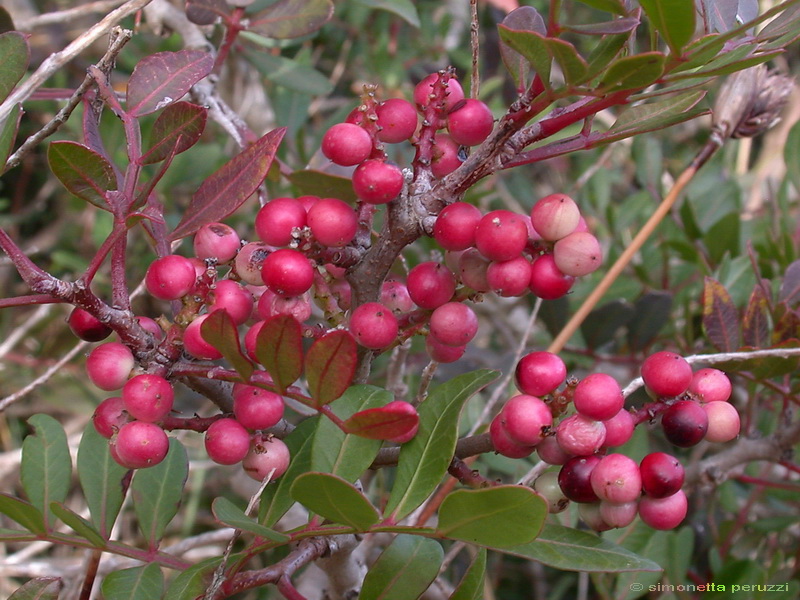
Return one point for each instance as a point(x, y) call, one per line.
point(195, 344)
point(86, 326)
point(333, 222)
point(473, 269)
point(526, 419)
point(447, 155)
point(249, 260)
point(616, 478)
point(619, 429)
point(662, 474)
point(230, 296)
point(423, 92)
point(540, 373)
point(257, 408)
point(346, 144)
point(455, 226)
point(546, 485)
point(509, 278)
point(684, 423)
point(148, 397)
point(598, 396)
point(139, 445)
point(109, 416)
point(268, 457)
point(551, 452)
point(664, 513)
point(666, 374)
point(578, 254)
point(501, 235)
point(297, 306)
point(618, 515)
point(217, 241)
point(109, 365)
point(397, 119)
point(227, 442)
point(575, 478)
point(547, 281)
point(723, 421)
point(395, 297)
point(454, 324)
point(442, 353)
point(373, 325)
point(710, 385)
point(287, 272)
point(589, 513)
point(470, 122)
point(377, 182)
point(430, 284)
point(580, 435)
point(503, 444)
point(152, 327)
point(555, 216)
point(170, 277)
point(277, 220)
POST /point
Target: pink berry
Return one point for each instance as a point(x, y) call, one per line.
point(86, 326)
point(140, 445)
point(424, 90)
point(395, 297)
point(455, 226)
point(664, 513)
point(249, 261)
point(333, 222)
point(257, 408)
point(278, 219)
point(454, 324)
point(575, 478)
point(710, 385)
point(555, 216)
point(217, 241)
point(589, 513)
point(578, 254)
point(287, 272)
point(397, 119)
point(195, 344)
point(580, 435)
point(447, 155)
point(509, 278)
point(430, 284)
point(151, 326)
point(297, 306)
point(268, 457)
point(228, 295)
point(109, 365)
point(666, 374)
point(619, 429)
point(250, 339)
point(551, 452)
point(540, 373)
point(501, 235)
point(473, 269)
point(170, 277)
point(598, 396)
point(547, 281)
point(616, 478)
point(618, 515)
point(662, 474)
point(723, 421)
point(503, 444)
point(148, 397)
point(373, 325)
point(684, 423)
point(470, 122)
point(227, 442)
point(441, 352)
point(526, 419)
point(109, 416)
point(346, 144)
point(377, 182)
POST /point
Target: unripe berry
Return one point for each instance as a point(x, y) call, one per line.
point(227, 442)
point(473, 269)
point(710, 385)
point(148, 397)
point(618, 515)
point(273, 304)
point(446, 157)
point(109, 416)
point(395, 297)
point(662, 474)
point(268, 457)
point(278, 218)
point(86, 326)
point(547, 281)
point(373, 325)
point(230, 296)
point(616, 478)
point(501, 235)
point(455, 226)
point(170, 277)
point(723, 421)
point(526, 419)
point(580, 435)
point(619, 429)
point(509, 278)
point(333, 222)
point(424, 90)
point(346, 144)
point(139, 445)
point(257, 408)
point(377, 182)
point(249, 261)
point(555, 216)
point(454, 324)
point(195, 344)
point(551, 452)
point(575, 478)
point(589, 513)
point(109, 365)
point(540, 373)
point(287, 272)
point(397, 119)
point(685, 423)
point(664, 513)
point(598, 396)
point(430, 284)
point(666, 374)
point(218, 241)
point(470, 122)
point(503, 444)
point(442, 353)
point(546, 485)
point(578, 254)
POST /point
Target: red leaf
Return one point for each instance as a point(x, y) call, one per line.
point(720, 317)
point(790, 286)
point(787, 324)
point(219, 331)
point(226, 190)
point(160, 79)
point(279, 347)
point(83, 171)
point(755, 322)
point(330, 366)
point(176, 129)
point(292, 18)
point(206, 12)
point(388, 422)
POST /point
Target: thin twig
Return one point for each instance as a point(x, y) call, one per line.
point(63, 16)
point(474, 42)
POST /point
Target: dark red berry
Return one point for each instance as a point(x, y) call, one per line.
point(684, 423)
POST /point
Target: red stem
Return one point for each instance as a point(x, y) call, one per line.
point(233, 26)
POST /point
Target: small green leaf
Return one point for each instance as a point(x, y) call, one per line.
point(16, 535)
point(227, 513)
point(533, 46)
point(500, 517)
point(648, 318)
point(193, 582)
point(603, 323)
point(16, 54)
point(177, 128)
point(41, 588)
point(279, 347)
point(330, 366)
point(219, 330)
point(23, 513)
point(46, 466)
point(78, 524)
point(724, 237)
point(157, 492)
point(137, 583)
point(289, 73)
point(404, 9)
point(632, 72)
point(286, 19)
point(84, 172)
point(324, 185)
point(424, 460)
point(674, 20)
point(572, 64)
point(523, 18)
point(656, 115)
point(404, 569)
point(604, 53)
point(471, 586)
point(335, 499)
point(720, 317)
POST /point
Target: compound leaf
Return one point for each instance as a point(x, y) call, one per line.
point(22, 512)
point(78, 524)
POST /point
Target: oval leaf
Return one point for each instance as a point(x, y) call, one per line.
point(219, 330)
point(500, 517)
point(471, 586)
point(383, 423)
point(163, 78)
point(292, 18)
point(80, 525)
point(137, 583)
point(404, 9)
point(335, 499)
point(524, 18)
point(193, 582)
point(234, 182)
point(16, 54)
point(330, 366)
point(8, 134)
point(674, 20)
point(46, 465)
point(84, 172)
point(633, 72)
point(227, 513)
point(720, 317)
point(176, 129)
point(533, 47)
point(756, 321)
point(23, 513)
point(279, 347)
point(41, 588)
point(404, 569)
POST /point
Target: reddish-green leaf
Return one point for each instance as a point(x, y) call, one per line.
point(656, 115)
point(136, 583)
point(532, 46)
point(335, 499)
point(219, 330)
point(381, 423)
point(330, 366)
point(16, 54)
point(279, 347)
point(524, 18)
point(674, 20)
point(755, 322)
point(616, 26)
point(613, 6)
point(163, 78)
point(404, 569)
point(227, 513)
point(720, 317)
point(292, 18)
point(83, 171)
point(206, 12)
point(324, 185)
point(787, 324)
point(233, 183)
point(790, 286)
point(633, 72)
point(176, 129)
point(721, 14)
point(41, 588)
point(573, 66)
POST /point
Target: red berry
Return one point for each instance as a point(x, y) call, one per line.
point(151, 326)
point(395, 297)
point(249, 261)
point(662, 474)
point(598, 396)
point(551, 452)
point(454, 324)
point(377, 182)
point(86, 326)
point(555, 216)
point(397, 119)
point(441, 352)
point(139, 445)
point(470, 122)
point(501, 235)
point(446, 155)
point(723, 421)
point(684, 423)
point(547, 281)
point(227, 442)
point(218, 241)
point(574, 478)
point(297, 306)
point(578, 254)
point(287, 272)
point(616, 478)
point(664, 513)
point(619, 429)
point(526, 419)
point(346, 144)
point(109, 365)
point(333, 222)
point(170, 277)
point(148, 397)
point(109, 416)
point(580, 435)
point(430, 284)
point(473, 269)
point(424, 90)
point(230, 296)
point(277, 220)
point(195, 344)
point(666, 374)
point(455, 226)
point(509, 278)
point(710, 385)
point(503, 444)
point(540, 373)
point(257, 408)
point(373, 325)
point(268, 457)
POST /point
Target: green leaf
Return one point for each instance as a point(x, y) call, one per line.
point(219, 330)
point(471, 586)
point(16, 55)
point(523, 18)
point(289, 73)
point(286, 19)
point(279, 347)
point(531, 45)
point(656, 115)
point(674, 20)
point(101, 480)
point(791, 154)
point(720, 317)
point(163, 78)
point(613, 6)
point(648, 318)
point(736, 60)
point(604, 53)
point(603, 323)
point(193, 582)
point(723, 237)
point(330, 366)
point(157, 492)
point(424, 460)
point(227, 513)
point(137, 583)
point(335, 499)
point(573, 66)
point(46, 466)
point(23, 513)
point(404, 569)
point(500, 517)
point(78, 524)
point(324, 185)
point(8, 134)
point(41, 588)
point(404, 9)
point(177, 128)
point(632, 72)
point(16, 535)
point(84, 172)
point(347, 455)
point(568, 549)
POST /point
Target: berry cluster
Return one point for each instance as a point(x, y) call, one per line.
point(611, 487)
